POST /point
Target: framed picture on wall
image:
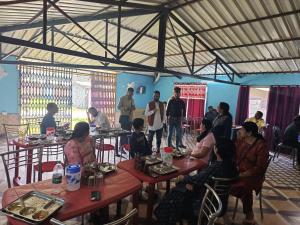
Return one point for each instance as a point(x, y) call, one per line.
point(141, 90)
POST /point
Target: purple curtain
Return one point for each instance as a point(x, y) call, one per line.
point(242, 105)
point(283, 106)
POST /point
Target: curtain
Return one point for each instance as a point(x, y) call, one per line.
point(242, 105)
point(195, 108)
point(283, 106)
point(194, 95)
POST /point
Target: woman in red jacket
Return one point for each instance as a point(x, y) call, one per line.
point(252, 161)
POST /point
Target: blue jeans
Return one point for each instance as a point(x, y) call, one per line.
point(174, 122)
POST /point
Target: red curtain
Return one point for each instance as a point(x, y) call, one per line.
point(283, 106)
point(195, 108)
point(194, 95)
point(242, 105)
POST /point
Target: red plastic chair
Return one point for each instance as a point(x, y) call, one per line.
point(48, 165)
point(102, 148)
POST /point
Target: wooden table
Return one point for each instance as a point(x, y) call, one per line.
point(185, 165)
point(116, 186)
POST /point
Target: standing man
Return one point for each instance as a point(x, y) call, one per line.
point(155, 111)
point(48, 120)
point(175, 114)
point(126, 106)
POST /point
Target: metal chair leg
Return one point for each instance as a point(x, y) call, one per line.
point(260, 205)
point(235, 208)
point(82, 219)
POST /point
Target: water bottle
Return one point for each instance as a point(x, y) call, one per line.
point(93, 130)
point(57, 175)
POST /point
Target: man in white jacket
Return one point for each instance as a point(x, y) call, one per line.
point(155, 112)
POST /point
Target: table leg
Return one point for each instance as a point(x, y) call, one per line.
point(17, 163)
point(168, 186)
point(151, 188)
point(29, 166)
point(40, 155)
point(117, 145)
point(102, 141)
point(135, 204)
point(119, 207)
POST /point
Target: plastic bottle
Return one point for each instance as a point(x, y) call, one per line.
point(167, 156)
point(57, 175)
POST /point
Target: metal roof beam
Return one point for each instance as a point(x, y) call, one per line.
point(243, 45)
point(126, 4)
point(179, 22)
point(242, 22)
point(112, 68)
point(139, 35)
point(246, 61)
point(161, 45)
point(108, 44)
point(16, 2)
point(265, 60)
point(15, 41)
point(88, 18)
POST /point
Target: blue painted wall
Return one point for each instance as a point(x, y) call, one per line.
point(271, 79)
point(216, 92)
point(141, 100)
point(9, 89)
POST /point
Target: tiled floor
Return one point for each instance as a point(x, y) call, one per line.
point(281, 195)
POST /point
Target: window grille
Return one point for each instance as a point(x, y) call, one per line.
point(38, 87)
point(103, 94)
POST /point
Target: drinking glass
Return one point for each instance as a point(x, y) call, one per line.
point(154, 153)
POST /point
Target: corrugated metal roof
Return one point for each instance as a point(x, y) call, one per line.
point(251, 35)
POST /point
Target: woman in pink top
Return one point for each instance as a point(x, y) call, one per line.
point(79, 147)
point(205, 142)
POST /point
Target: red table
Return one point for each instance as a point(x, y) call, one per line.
point(185, 165)
point(25, 144)
point(116, 186)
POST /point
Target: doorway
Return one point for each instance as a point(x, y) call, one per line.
point(258, 101)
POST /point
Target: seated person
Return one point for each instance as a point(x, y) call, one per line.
point(252, 161)
point(205, 142)
point(79, 148)
point(211, 114)
point(138, 141)
point(258, 120)
point(98, 118)
point(291, 134)
point(48, 120)
point(179, 202)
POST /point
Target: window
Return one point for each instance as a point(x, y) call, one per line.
point(103, 94)
point(38, 87)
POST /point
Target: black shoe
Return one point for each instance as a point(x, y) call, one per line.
point(172, 146)
point(182, 146)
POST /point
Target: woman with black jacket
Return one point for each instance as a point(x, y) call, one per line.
point(178, 203)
